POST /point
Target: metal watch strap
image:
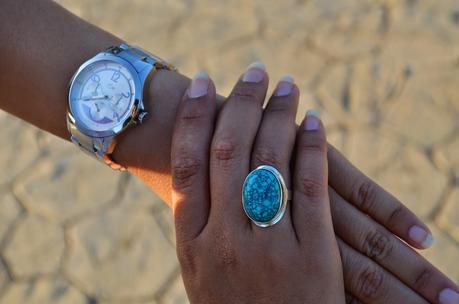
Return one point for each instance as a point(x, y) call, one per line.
point(101, 148)
point(140, 59)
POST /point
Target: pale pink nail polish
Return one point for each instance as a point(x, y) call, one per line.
point(312, 120)
point(254, 73)
point(284, 87)
point(448, 296)
point(199, 85)
point(420, 236)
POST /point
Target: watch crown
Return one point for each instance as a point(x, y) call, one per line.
point(141, 116)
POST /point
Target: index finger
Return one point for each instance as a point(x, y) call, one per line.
point(190, 158)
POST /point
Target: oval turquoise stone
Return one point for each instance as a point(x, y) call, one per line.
point(262, 195)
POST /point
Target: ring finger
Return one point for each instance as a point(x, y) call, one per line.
point(276, 135)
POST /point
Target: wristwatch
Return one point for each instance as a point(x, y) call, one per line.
point(106, 97)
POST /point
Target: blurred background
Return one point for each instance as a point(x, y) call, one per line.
point(384, 74)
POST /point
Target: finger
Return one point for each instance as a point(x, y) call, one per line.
point(190, 157)
point(371, 199)
point(235, 132)
point(374, 241)
point(370, 283)
point(276, 136)
point(310, 207)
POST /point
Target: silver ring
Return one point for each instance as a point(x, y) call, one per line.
point(265, 196)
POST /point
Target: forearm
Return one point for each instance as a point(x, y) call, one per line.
point(43, 45)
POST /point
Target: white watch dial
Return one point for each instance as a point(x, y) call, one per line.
point(102, 95)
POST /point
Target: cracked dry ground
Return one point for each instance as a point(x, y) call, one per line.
point(383, 73)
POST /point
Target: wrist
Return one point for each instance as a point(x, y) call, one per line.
point(145, 149)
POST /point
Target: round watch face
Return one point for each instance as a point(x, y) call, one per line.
point(101, 95)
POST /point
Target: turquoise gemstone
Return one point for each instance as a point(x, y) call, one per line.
point(262, 195)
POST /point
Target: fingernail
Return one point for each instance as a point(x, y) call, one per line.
point(312, 120)
point(285, 86)
point(254, 72)
point(448, 296)
point(199, 85)
point(421, 236)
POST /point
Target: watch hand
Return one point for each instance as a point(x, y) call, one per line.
point(119, 99)
point(94, 98)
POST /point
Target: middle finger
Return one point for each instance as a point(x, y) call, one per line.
point(231, 148)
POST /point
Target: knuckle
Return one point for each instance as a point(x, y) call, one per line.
point(313, 143)
point(280, 106)
point(395, 216)
point(310, 187)
point(246, 92)
point(184, 170)
point(370, 283)
point(266, 156)
point(364, 196)
point(224, 150)
point(423, 279)
point(377, 245)
point(191, 116)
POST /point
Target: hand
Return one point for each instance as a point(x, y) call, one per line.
point(378, 266)
point(352, 192)
point(224, 257)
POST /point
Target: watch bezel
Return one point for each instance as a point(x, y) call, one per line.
point(135, 106)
